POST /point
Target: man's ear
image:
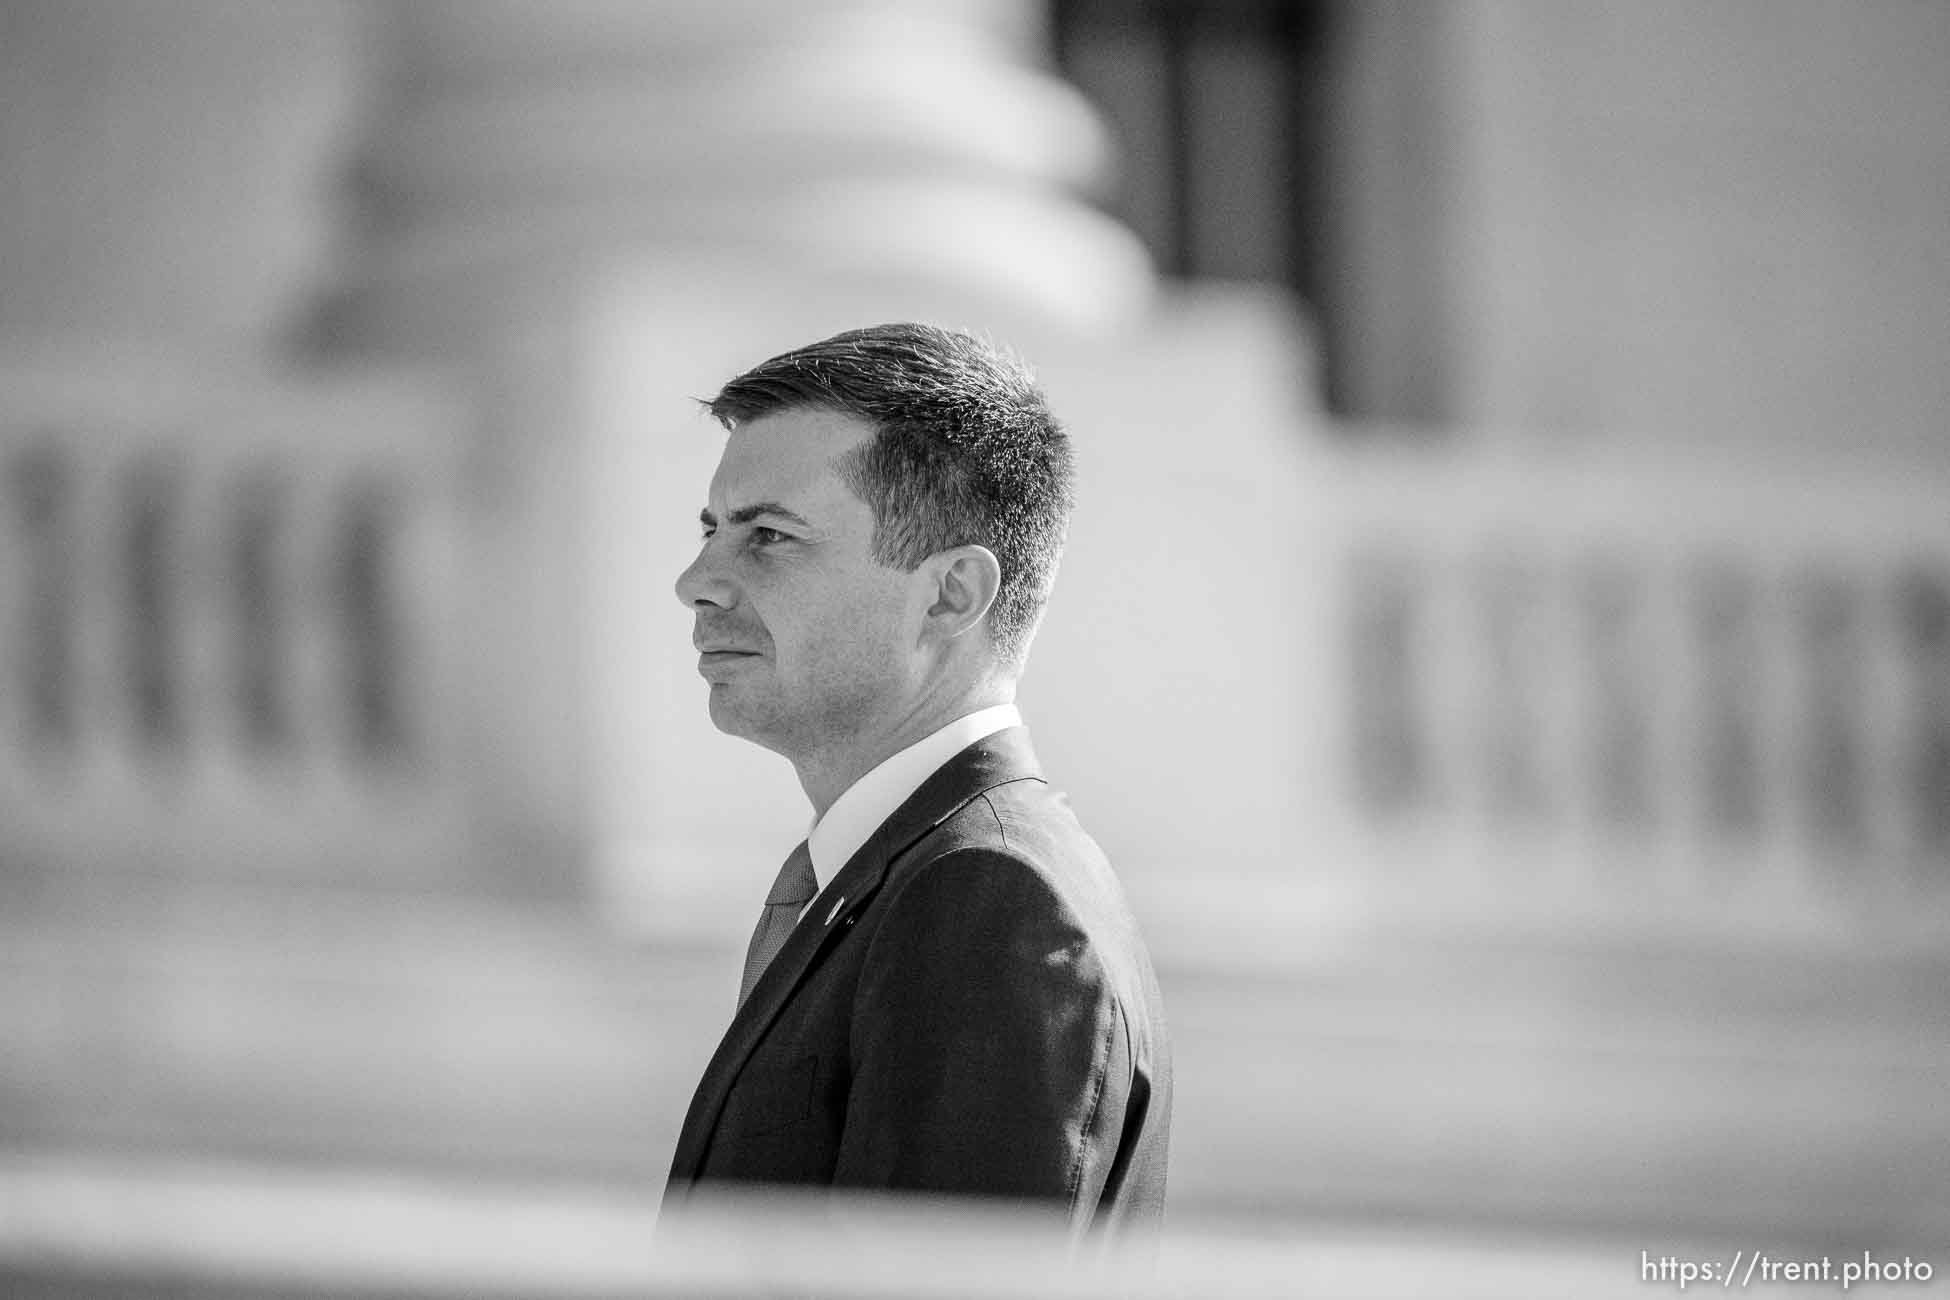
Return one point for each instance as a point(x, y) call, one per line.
point(963, 581)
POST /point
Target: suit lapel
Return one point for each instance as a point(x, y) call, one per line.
point(992, 761)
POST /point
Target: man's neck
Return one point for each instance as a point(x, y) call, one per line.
point(826, 776)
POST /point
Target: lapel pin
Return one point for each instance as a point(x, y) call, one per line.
point(836, 909)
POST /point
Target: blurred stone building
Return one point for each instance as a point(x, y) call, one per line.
point(1514, 468)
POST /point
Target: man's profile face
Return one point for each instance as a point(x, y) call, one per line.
point(801, 633)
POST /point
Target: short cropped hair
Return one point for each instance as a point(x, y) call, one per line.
point(964, 451)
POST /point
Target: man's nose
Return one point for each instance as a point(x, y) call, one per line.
point(703, 583)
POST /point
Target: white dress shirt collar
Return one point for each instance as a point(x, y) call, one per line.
point(872, 799)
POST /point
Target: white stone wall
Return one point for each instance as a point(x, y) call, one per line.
point(1662, 223)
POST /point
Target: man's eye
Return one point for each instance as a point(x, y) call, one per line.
point(767, 536)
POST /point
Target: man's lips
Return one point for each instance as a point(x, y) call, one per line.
point(719, 658)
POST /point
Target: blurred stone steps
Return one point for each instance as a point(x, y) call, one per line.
point(352, 1029)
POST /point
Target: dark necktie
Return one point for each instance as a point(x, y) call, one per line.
point(791, 892)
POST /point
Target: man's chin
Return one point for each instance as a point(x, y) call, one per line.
point(724, 715)
point(727, 716)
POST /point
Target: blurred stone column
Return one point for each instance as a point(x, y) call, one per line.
point(904, 140)
point(601, 209)
point(171, 170)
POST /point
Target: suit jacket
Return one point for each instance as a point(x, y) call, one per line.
point(966, 1008)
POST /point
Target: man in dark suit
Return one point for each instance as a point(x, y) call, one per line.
point(946, 991)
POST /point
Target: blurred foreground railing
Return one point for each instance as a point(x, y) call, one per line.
point(70, 1228)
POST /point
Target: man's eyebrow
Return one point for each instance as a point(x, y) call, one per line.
point(757, 510)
